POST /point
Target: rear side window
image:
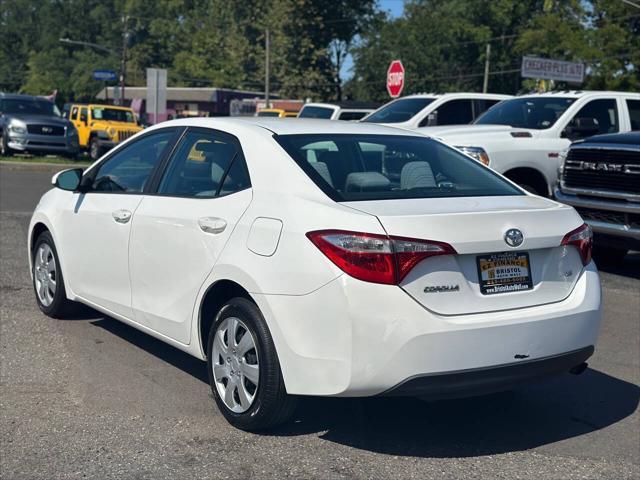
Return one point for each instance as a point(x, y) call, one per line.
point(315, 112)
point(454, 112)
point(399, 110)
point(351, 115)
point(634, 113)
point(205, 164)
point(378, 167)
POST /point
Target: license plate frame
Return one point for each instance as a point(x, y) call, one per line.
point(504, 282)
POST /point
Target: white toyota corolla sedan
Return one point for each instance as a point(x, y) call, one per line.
point(308, 257)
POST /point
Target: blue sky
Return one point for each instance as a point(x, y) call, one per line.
point(395, 8)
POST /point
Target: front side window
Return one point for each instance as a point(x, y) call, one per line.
point(453, 112)
point(531, 112)
point(205, 164)
point(315, 112)
point(400, 110)
point(596, 117)
point(129, 169)
point(379, 167)
point(112, 115)
point(74, 113)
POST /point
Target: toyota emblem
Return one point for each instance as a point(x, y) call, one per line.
point(513, 237)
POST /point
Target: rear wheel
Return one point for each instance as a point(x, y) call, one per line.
point(244, 371)
point(48, 282)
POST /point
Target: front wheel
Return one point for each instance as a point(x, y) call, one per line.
point(244, 371)
point(5, 151)
point(48, 282)
point(95, 150)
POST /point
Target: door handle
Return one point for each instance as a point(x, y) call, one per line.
point(212, 225)
point(121, 216)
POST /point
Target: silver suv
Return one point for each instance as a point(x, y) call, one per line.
point(34, 124)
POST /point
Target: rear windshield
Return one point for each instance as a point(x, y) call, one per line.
point(378, 167)
point(315, 112)
point(535, 113)
point(398, 110)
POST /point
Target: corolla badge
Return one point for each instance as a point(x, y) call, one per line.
point(513, 237)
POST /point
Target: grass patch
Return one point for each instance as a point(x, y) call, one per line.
point(81, 161)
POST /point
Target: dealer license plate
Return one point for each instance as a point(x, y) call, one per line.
point(504, 272)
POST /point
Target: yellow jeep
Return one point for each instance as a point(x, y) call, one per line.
point(101, 127)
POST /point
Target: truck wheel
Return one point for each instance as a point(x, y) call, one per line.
point(95, 150)
point(530, 189)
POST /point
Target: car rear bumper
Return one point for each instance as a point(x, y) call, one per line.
point(351, 338)
point(487, 380)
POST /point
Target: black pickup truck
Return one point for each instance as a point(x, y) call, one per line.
point(600, 177)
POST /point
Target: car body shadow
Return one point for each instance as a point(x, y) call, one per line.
point(538, 414)
point(629, 267)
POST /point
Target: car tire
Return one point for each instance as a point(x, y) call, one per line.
point(266, 403)
point(5, 151)
point(48, 282)
point(95, 150)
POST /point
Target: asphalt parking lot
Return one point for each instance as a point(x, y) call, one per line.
point(89, 397)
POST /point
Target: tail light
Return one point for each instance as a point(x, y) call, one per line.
point(376, 258)
point(582, 239)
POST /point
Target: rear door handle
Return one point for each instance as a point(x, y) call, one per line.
point(212, 225)
point(121, 216)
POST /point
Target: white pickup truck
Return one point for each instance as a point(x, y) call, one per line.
point(524, 137)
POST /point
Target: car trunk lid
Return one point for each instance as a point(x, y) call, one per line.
point(475, 227)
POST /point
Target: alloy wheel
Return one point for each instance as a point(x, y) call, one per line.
point(235, 365)
point(45, 274)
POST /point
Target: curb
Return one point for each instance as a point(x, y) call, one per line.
point(39, 166)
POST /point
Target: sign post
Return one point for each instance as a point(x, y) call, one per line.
point(395, 79)
point(105, 76)
point(156, 92)
point(549, 69)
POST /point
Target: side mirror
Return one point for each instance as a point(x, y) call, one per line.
point(67, 179)
point(581, 127)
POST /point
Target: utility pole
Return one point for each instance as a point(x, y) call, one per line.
point(125, 41)
point(485, 85)
point(266, 68)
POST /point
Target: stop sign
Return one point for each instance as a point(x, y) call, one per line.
point(395, 78)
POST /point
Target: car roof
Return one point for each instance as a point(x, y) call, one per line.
point(289, 126)
point(17, 96)
point(457, 94)
point(115, 107)
point(577, 94)
point(346, 105)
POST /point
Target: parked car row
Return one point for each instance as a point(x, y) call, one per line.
point(35, 125)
